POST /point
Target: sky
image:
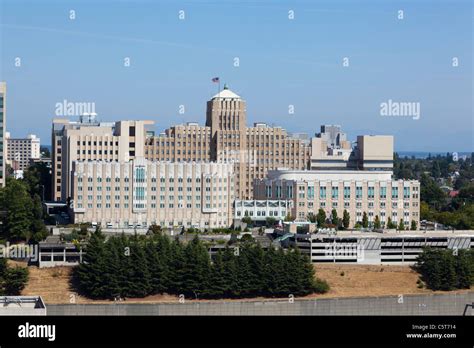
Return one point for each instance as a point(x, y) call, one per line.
point(291, 55)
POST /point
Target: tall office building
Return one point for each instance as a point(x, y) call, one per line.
point(3, 117)
point(20, 151)
point(90, 140)
point(226, 137)
point(330, 150)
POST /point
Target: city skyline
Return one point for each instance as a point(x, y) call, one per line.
point(291, 64)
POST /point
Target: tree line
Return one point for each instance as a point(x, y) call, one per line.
point(137, 266)
point(446, 269)
point(23, 217)
point(343, 223)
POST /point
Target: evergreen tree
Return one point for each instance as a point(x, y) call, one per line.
point(230, 273)
point(365, 220)
point(139, 275)
point(196, 269)
point(436, 171)
point(401, 225)
point(464, 270)
point(346, 219)
point(377, 224)
point(19, 210)
point(244, 271)
point(12, 279)
point(334, 218)
point(90, 272)
point(217, 281)
point(448, 270)
point(157, 259)
point(413, 225)
point(177, 263)
point(112, 268)
point(321, 218)
point(257, 265)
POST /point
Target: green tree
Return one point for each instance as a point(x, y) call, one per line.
point(365, 220)
point(334, 218)
point(90, 273)
point(390, 224)
point(270, 221)
point(311, 217)
point(138, 273)
point(12, 279)
point(436, 171)
point(196, 270)
point(218, 287)
point(19, 210)
point(321, 218)
point(401, 225)
point(413, 225)
point(464, 269)
point(247, 220)
point(377, 223)
point(346, 218)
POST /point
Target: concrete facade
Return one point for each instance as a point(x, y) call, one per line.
point(92, 141)
point(372, 192)
point(260, 210)
point(437, 304)
point(140, 193)
point(226, 137)
point(20, 151)
point(400, 248)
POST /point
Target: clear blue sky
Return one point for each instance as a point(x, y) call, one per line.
point(282, 62)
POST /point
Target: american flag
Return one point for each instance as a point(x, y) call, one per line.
point(215, 79)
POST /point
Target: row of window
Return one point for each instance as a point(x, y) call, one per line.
point(359, 194)
point(89, 143)
point(81, 205)
point(141, 175)
point(383, 205)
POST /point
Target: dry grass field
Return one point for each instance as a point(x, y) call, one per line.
point(345, 281)
point(368, 280)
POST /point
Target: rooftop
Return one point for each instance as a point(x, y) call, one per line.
point(226, 93)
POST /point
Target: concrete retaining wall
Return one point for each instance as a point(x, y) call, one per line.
point(444, 304)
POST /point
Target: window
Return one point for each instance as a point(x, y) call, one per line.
point(347, 192)
point(359, 192)
point(370, 192)
point(335, 192)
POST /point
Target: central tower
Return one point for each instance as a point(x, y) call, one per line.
point(226, 115)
